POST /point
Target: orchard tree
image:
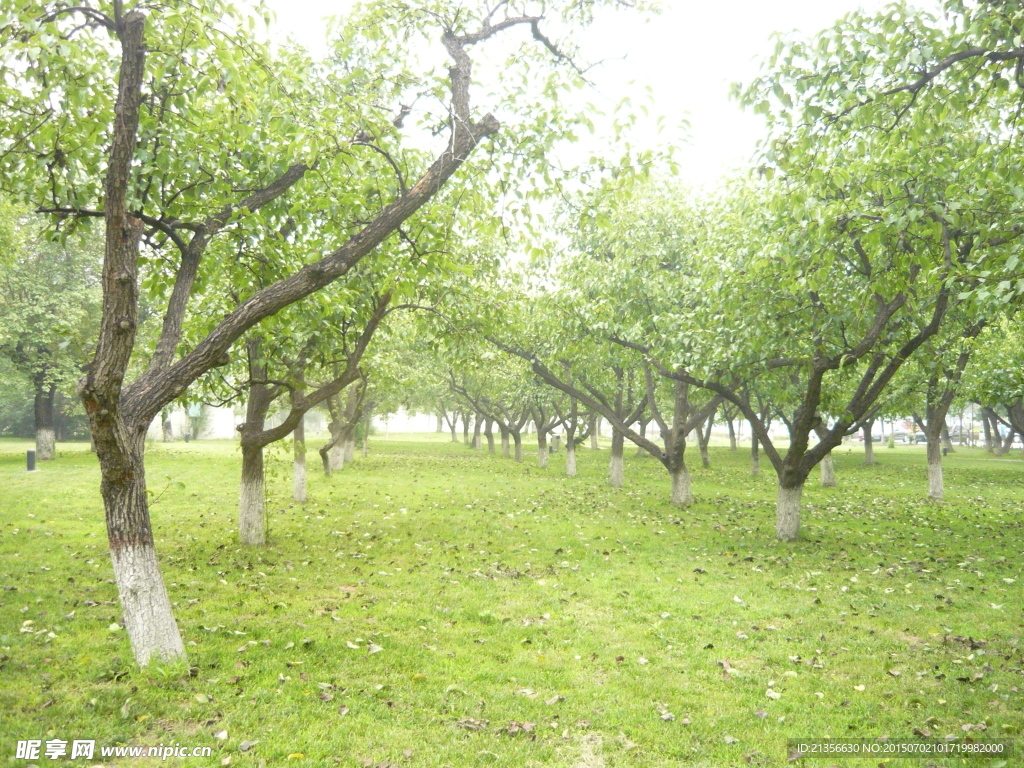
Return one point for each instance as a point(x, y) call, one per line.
point(172, 124)
point(49, 312)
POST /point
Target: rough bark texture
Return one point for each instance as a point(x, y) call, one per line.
point(251, 502)
point(828, 472)
point(335, 458)
point(787, 513)
point(119, 434)
point(755, 456)
point(148, 618)
point(593, 422)
point(504, 443)
point(615, 468)
point(681, 493)
point(46, 437)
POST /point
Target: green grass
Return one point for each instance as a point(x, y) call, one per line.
point(503, 594)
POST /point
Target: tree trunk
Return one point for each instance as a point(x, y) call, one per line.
point(299, 462)
point(148, 617)
point(787, 512)
point(465, 429)
point(592, 424)
point(504, 441)
point(828, 472)
point(640, 450)
point(570, 457)
point(454, 426)
point(440, 424)
point(869, 445)
point(46, 437)
point(732, 434)
point(542, 448)
point(489, 434)
point(251, 505)
point(755, 456)
point(703, 438)
point(350, 446)
point(517, 438)
point(120, 442)
point(988, 432)
point(336, 457)
point(681, 493)
point(1007, 443)
point(615, 467)
point(477, 428)
point(166, 427)
point(934, 451)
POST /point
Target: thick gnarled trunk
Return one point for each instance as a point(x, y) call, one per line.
point(787, 512)
point(682, 495)
point(148, 616)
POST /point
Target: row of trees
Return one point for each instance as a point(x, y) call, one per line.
point(301, 234)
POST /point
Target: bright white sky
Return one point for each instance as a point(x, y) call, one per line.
point(688, 55)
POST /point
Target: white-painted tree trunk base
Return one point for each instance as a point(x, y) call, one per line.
point(350, 449)
point(542, 456)
point(681, 492)
point(299, 480)
point(46, 444)
point(828, 472)
point(616, 471)
point(935, 483)
point(787, 513)
point(570, 459)
point(251, 525)
point(336, 458)
point(148, 617)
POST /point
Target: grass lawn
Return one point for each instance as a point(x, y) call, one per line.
point(431, 605)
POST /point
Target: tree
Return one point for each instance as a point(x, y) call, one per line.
point(180, 121)
point(49, 311)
